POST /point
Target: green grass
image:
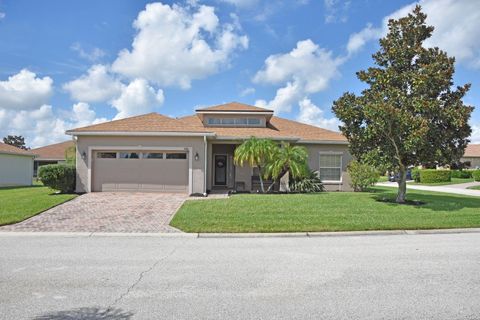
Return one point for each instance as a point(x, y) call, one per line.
point(454, 181)
point(20, 203)
point(474, 188)
point(328, 211)
point(383, 179)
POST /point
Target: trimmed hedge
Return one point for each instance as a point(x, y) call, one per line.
point(416, 174)
point(434, 176)
point(476, 175)
point(58, 176)
point(362, 175)
point(462, 174)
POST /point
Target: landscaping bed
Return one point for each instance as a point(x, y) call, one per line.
point(20, 203)
point(328, 211)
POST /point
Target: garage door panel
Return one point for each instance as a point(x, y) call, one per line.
point(146, 175)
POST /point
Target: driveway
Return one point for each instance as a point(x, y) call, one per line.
point(452, 188)
point(145, 277)
point(107, 212)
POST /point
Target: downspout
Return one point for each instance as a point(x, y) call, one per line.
point(205, 157)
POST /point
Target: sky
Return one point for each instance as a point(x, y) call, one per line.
point(67, 64)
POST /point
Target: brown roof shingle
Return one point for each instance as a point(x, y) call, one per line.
point(277, 128)
point(54, 151)
point(8, 149)
point(472, 150)
point(236, 107)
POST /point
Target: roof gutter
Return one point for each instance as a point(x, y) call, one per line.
point(323, 142)
point(140, 133)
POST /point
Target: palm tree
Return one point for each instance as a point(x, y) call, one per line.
point(257, 153)
point(288, 158)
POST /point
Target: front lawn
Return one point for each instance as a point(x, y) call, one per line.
point(474, 188)
point(454, 181)
point(328, 211)
point(20, 203)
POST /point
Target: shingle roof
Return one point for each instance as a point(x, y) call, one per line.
point(54, 151)
point(472, 150)
point(6, 148)
point(278, 128)
point(235, 107)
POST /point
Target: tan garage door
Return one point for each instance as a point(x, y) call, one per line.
point(143, 171)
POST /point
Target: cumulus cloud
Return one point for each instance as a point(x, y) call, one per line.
point(93, 55)
point(306, 69)
point(137, 98)
point(475, 137)
point(174, 45)
point(311, 114)
point(44, 125)
point(97, 85)
point(456, 26)
point(25, 90)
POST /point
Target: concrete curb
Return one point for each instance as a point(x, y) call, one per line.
point(242, 235)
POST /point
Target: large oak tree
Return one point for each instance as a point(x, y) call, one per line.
point(410, 113)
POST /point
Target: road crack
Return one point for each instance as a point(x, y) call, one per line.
point(142, 275)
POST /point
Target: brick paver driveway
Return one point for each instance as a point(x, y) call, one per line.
point(108, 212)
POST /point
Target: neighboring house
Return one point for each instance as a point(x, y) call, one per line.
point(194, 154)
point(472, 156)
point(51, 154)
point(16, 166)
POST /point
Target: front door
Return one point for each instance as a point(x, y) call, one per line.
point(220, 170)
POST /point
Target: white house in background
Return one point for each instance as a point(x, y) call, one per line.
point(16, 166)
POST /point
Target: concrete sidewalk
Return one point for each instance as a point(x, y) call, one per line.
point(445, 189)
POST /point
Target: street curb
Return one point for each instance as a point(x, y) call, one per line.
point(243, 235)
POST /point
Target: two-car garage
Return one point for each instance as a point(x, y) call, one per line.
point(140, 170)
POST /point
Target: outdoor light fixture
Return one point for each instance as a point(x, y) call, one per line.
point(196, 156)
point(84, 155)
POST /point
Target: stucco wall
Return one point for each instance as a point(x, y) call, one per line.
point(16, 170)
point(314, 151)
point(474, 161)
point(196, 143)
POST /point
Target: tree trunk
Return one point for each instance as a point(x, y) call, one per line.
point(402, 184)
point(260, 175)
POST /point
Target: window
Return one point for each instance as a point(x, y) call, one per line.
point(153, 155)
point(214, 121)
point(331, 167)
point(228, 121)
point(106, 155)
point(254, 121)
point(242, 121)
point(176, 156)
point(129, 155)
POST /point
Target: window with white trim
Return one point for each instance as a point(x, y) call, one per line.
point(234, 121)
point(330, 167)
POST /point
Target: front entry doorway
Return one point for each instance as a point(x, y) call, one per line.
point(221, 169)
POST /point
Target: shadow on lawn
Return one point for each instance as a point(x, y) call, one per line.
point(87, 314)
point(435, 202)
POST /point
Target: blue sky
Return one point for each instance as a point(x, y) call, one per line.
point(65, 64)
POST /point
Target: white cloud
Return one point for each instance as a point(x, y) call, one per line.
point(43, 125)
point(137, 98)
point(247, 91)
point(2, 15)
point(311, 114)
point(93, 55)
point(25, 90)
point(174, 46)
point(456, 26)
point(336, 10)
point(475, 137)
point(358, 40)
point(305, 70)
point(96, 86)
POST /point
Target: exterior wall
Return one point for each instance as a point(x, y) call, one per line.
point(84, 142)
point(16, 170)
point(314, 163)
point(474, 161)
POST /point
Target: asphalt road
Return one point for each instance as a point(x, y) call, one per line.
point(361, 277)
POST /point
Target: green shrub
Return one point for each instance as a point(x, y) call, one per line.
point(461, 174)
point(476, 175)
point(416, 174)
point(58, 176)
point(435, 176)
point(308, 184)
point(362, 175)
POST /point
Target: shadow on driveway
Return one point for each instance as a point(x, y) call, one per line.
point(87, 314)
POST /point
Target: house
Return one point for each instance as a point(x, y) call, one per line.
point(194, 154)
point(16, 166)
point(51, 154)
point(472, 156)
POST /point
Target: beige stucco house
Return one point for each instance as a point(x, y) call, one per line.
point(194, 154)
point(16, 166)
point(472, 156)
